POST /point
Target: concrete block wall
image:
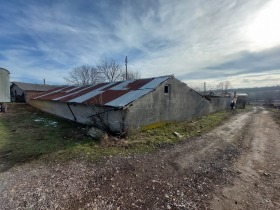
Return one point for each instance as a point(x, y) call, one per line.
point(114, 119)
point(181, 103)
point(218, 104)
point(178, 104)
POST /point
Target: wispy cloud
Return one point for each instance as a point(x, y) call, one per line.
point(244, 62)
point(191, 39)
point(248, 62)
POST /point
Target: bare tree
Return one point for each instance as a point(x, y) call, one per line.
point(224, 86)
point(131, 75)
point(110, 70)
point(84, 75)
point(220, 86)
point(105, 71)
point(227, 85)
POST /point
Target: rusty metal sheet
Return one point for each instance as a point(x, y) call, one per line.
point(117, 94)
point(52, 91)
point(155, 82)
point(128, 98)
point(106, 97)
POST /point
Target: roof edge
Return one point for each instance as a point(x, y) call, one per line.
point(5, 70)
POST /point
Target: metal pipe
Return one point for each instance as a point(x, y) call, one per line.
point(71, 111)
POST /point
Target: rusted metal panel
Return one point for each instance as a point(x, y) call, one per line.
point(50, 92)
point(110, 85)
point(128, 98)
point(106, 97)
point(116, 94)
point(154, 83)
point(122, 86)
point(73, 94)
point(138, 83)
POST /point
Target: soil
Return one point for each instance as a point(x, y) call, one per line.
point(236, 166)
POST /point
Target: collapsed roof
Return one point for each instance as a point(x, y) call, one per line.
point(113, 94)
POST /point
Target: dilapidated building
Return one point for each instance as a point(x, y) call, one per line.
point(21, 91)
point(126, 105)
point(240, 100)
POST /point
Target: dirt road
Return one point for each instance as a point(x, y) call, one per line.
point(258, 183)
point(236, 166)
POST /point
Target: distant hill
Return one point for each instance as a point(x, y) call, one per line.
point(266, 94)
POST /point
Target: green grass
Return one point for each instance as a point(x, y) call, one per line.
point(276, 115)
point(28, 134)
point(164, 135)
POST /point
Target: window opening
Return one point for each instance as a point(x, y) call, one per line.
point(167, 89)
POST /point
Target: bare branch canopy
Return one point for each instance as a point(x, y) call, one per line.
point(107, 70)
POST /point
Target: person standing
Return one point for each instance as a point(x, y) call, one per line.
point(232, 104)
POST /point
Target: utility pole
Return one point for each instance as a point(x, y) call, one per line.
point(126, 67)
point(204, 87)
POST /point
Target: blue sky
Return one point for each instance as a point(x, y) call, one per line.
point(197, 41)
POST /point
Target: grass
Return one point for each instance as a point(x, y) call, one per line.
point(165, 134)
point(28, 134)
point(276, 115)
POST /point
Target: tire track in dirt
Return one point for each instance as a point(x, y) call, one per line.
point(230, 163)
point(206, 145)
point(257, 186)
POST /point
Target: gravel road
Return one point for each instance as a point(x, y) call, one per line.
point(236, 166)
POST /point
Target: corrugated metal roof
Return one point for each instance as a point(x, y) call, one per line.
point(128, 98)
point(115, 94)
point(33, 87)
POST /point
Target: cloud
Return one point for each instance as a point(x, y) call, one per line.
point(244, 62)
point(193, 39)
point(248, 62)
point(238, 81)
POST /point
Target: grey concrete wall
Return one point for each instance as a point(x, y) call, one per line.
point(19, 92)
point(114, 119)
point(218, 104)
point(180, 104)
point(16, 89)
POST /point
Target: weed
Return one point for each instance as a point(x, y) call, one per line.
point(27, 134)
point(276, 115)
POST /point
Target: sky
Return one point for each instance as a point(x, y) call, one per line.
point(197, 41)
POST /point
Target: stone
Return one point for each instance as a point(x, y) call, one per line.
point(96, 133)
point(177, 134)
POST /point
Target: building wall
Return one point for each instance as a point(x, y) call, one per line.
point(219, 103)
point(181, 103)
point(16, 93)
point(113, 119)
point(15, 90)
point(241, 102)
